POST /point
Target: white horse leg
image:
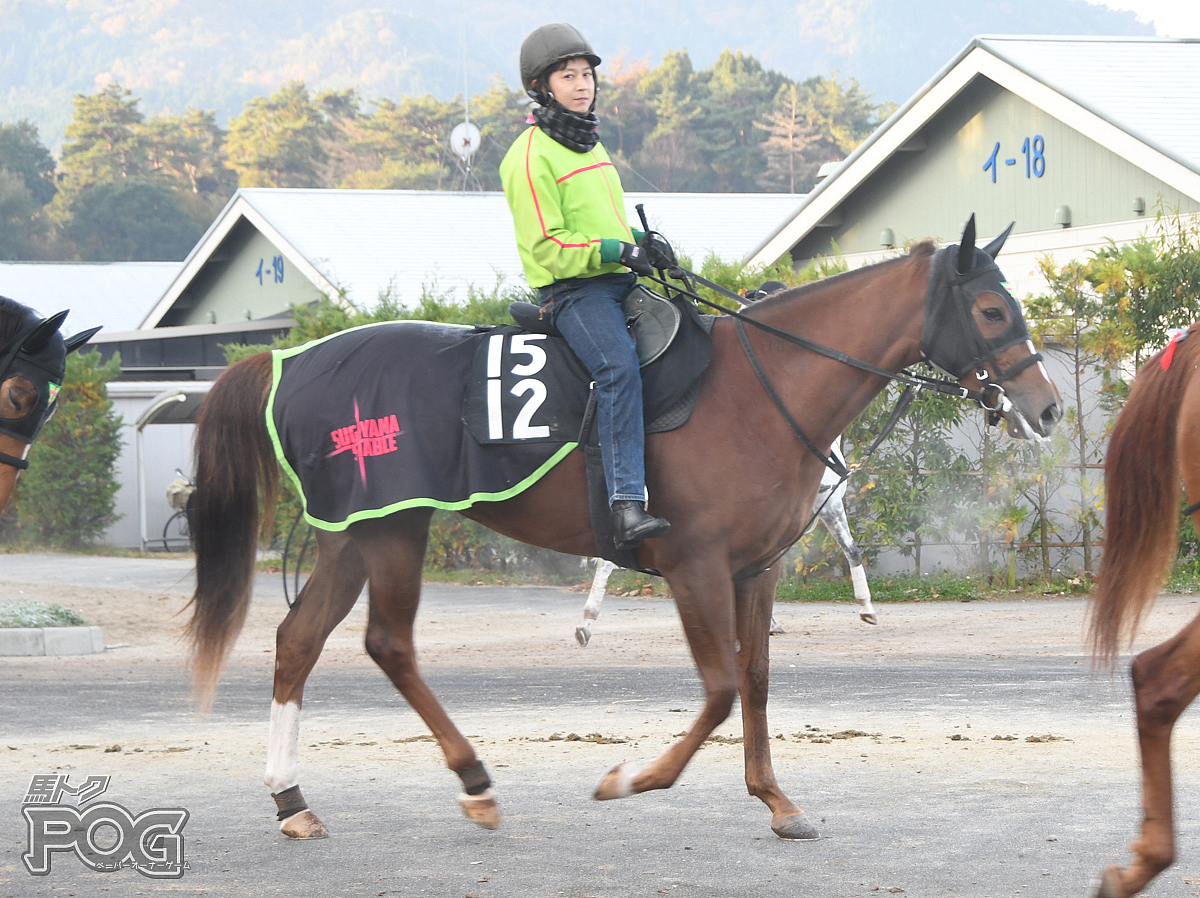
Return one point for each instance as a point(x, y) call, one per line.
point(862, 592)
point(833, 516)
point(295, 819)
point(591, 609)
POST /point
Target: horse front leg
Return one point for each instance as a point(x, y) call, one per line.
point(704, 597)
point(327, 597)
point(754, 598)
point(1166, 679)
point(393, 549)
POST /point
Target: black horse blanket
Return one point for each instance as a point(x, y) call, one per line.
point(410, 413)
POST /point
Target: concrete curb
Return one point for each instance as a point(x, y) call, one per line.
point(51, 640)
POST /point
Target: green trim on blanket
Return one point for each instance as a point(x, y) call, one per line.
point(368, 514)
point(277, 358)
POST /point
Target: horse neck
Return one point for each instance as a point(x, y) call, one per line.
point(874, 315)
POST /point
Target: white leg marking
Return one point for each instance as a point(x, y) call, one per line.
point(282, 746)
point(591, 609)
point(862, 592)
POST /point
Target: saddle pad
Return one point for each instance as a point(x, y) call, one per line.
point(369, 421)
point(529, 386)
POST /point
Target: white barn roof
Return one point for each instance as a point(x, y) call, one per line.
point(1145, 86)
point(1137, 97)
point(115, 295)
point(364, 242)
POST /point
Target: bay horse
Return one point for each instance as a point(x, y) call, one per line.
point(1155, 446)
point(829, 509)
point(33, 359)
point(949, 306)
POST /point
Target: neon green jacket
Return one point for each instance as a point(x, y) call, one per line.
point(564, 204)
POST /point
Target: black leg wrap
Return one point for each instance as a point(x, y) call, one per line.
point(289, 802)
point(475, 779)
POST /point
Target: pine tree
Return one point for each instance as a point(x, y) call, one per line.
point(277, 141)
point(788, 136)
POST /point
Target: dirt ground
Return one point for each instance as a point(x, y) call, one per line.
point(143, 630)
point(1009, 748)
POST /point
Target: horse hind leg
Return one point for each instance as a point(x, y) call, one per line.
point(326, 599)
point(393, 549)
point(591, 608)
point(1166, 679)
point(833, 516)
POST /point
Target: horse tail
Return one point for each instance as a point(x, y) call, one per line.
point(235, 470)
point(1142, 482)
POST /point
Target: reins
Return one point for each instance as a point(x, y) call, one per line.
point(913, 382)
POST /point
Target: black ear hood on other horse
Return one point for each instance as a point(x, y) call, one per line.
point(39, 354)
point(957, 275)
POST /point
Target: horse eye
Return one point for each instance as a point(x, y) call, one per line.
point(993, 314)
point(17, 397)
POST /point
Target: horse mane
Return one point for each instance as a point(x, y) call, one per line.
point(13, 316)
point(1142, 481)
point(919, 250)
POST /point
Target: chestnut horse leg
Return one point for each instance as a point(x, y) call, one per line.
point(326, 599)
point(754, 600)
point(704, 596)
point(394, 550)
point(591, 608)
point(1166, 679)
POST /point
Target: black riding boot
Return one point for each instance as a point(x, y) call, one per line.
point(632, 524)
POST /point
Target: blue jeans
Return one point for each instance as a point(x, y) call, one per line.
point(588, 313)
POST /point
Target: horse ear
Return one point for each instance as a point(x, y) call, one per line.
point(993, 248)
point(966, 247)
point(41, 334)
point(79, 339)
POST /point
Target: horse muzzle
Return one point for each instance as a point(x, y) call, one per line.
point(996, 400)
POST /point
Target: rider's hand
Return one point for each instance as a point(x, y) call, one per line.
point(635, 259)
point(658, 251)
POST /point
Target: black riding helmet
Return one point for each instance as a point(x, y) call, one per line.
point(548, 46)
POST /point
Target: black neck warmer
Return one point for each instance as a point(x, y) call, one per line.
point(574, 131)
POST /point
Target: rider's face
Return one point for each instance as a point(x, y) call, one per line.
point(574, 85)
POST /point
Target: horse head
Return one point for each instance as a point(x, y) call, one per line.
point(33, 360)
point(974, 330)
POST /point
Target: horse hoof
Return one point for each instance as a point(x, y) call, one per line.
point(481, 809)
point(776, 629)
point(583, 635)
point(303, 825)
point(795, 828)
point(1110, 884)
point(617, 783)
point(868, 618)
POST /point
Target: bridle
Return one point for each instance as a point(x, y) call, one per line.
point(37, 353)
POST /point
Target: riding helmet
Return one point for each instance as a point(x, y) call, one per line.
point(549, 45)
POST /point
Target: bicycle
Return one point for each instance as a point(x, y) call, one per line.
point(177, 535)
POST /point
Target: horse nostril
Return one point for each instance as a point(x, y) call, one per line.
point(1051, 415)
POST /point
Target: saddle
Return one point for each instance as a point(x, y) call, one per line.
point(668, 330)
point(653, 322)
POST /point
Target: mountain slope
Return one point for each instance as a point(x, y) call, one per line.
point(172, 56)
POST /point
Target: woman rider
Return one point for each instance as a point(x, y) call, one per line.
point(577, 251)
